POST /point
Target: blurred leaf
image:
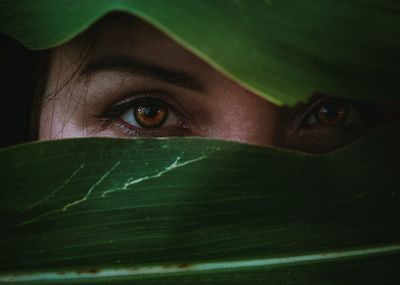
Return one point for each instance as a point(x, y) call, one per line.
point(282, 50)
point(195, 211)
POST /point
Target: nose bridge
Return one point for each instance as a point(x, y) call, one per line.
point(241, 115)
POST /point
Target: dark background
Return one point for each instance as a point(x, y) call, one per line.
point(18, 83)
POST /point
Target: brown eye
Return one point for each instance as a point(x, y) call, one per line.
point(329, 123)
point(151, 115)
point(331, 112)
point(145, 113)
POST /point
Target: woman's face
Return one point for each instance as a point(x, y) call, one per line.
point(124, 78)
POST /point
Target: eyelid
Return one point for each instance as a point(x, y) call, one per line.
point(356, 117)
point(118, 108)
point(302, 115)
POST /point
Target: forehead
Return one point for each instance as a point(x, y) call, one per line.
point(121, 34)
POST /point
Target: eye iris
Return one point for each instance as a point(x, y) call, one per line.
point(332, 113)
point(151, 116)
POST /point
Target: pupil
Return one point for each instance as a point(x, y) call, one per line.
point(332, 113)
point(150, 114)
point(329, 110)
point(150, 111)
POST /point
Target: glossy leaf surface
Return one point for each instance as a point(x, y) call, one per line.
point(156, 211)
point(282, 50)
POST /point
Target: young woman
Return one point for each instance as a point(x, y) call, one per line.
point(124, 78)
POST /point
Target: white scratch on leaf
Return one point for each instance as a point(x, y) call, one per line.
point(91, 188)
point(69, 205)
point(172, 166)
point(52, 194)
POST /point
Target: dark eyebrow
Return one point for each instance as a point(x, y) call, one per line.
point(134, 65)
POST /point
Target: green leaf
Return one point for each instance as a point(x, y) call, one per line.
point(188, 210)
point(281, 50)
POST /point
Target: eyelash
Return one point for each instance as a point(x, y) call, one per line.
point(305, 118)
point(357, 113)
point(309, 117)
point(112, 115)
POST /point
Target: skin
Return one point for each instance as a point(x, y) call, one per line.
point(80, 90)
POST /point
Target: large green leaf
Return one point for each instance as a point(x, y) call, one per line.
point(197, 211)
point(201, 211)
point(282, 50)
